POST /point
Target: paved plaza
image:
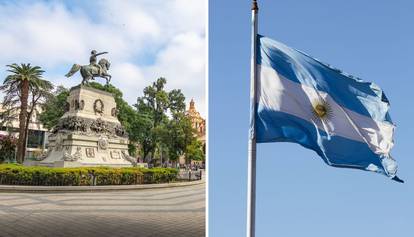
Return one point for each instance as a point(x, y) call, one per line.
point(178, 211)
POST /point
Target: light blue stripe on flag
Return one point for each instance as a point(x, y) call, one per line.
point(343, 119)
point(363, 97)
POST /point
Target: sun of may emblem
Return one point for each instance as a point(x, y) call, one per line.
point(322, 110)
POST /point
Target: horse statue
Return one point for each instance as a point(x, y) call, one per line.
point(89, 72)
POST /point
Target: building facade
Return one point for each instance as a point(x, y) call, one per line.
point(37, 136)
point(199, 124)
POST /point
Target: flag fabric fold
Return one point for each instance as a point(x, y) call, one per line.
point(342, 118)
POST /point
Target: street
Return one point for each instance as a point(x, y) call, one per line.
point(161, 212)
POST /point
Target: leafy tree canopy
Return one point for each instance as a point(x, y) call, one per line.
point(54, 107)
point(157, 121)
point(194, 151)
point(23, 89)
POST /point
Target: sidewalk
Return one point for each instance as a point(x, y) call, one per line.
point(20, 188)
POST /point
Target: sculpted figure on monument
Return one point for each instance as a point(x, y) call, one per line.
point(89, 126)
point(59, 143)
point(90, 152)
point(98, 106)
point(120, 131)
point(82, 104)
point(114, 112)
point(43, 155)
point(72, 124)
point(98, 126)
point(76, 156)
point(67, 107)
point(129, 158)
point(94, 69)
point(77, 105)
point(103, 142)
point(89, 133)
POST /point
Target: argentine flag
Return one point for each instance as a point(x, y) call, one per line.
point(342, 118)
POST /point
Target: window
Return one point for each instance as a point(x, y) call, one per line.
point(35, 139)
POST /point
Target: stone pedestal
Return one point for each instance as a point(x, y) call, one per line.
point(89, 133)
point(28, 162)
point(66, 164)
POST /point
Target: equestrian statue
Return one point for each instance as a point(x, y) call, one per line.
point(89, 72)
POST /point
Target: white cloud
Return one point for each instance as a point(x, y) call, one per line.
point(130, 78)
point(145, 39)
point(183, 51)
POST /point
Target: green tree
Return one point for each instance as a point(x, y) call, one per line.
point(38, 95)
point(181, 134)
point(165, 109)
point(126, 113)
point(155, 101)
point(142, 131)
point(176, 101)
point(137, 125)
point(194, 151)
point(17, 86)
point(157, 122)
point(54, 107)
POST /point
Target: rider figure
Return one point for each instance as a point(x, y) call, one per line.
point(93, 60)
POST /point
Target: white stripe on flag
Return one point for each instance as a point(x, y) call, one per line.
point(280, 94)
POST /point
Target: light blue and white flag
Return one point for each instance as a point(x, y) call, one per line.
point(342, 118)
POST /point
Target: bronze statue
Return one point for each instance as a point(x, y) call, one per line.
point(89, 72)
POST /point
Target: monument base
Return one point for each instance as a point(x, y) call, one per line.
point(28, 162)
point(89, 133)
point(66, 164)
point(75, 150)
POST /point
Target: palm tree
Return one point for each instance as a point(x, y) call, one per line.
point(16, 88)
point(40, 91)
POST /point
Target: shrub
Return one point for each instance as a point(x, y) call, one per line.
point(14, 174)
point(7, 148)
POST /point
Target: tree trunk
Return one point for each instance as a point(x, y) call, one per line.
point(26, 130)
point(22, 120)
point(28, 118)
point(144, 155)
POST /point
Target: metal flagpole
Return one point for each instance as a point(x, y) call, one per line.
point(251, 183)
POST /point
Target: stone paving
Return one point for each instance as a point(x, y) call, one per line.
point(162, 212)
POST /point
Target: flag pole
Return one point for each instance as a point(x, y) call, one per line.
point(251, 182)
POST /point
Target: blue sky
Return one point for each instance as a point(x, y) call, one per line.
point(297, 194)
point(145, 39)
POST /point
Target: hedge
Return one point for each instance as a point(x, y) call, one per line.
point(13, 174)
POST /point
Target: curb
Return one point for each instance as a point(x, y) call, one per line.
point(35, 189)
